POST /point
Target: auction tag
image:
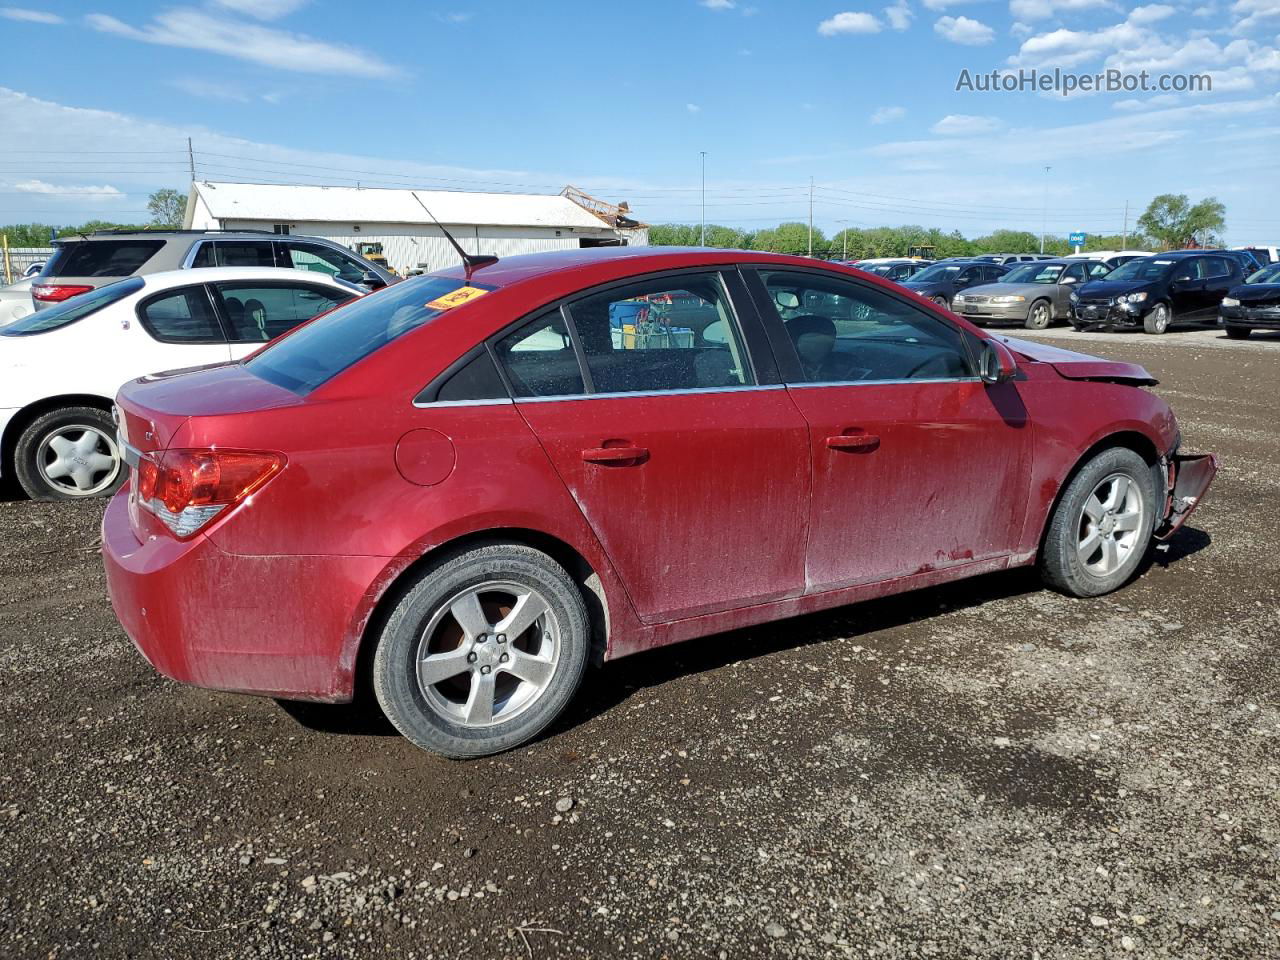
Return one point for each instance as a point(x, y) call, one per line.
point(457, 298)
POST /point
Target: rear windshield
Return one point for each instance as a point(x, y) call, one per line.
point(320, 350)
point(69, 311)
point(100, 258)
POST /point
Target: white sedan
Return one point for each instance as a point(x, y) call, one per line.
point(61, 367)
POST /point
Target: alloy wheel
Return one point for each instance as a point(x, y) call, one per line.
point(488, 653)
point(1109, 525)
point(79, 460)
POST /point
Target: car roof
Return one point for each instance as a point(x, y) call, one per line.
point(175, 278)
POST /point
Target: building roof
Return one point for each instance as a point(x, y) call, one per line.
point(290, 203)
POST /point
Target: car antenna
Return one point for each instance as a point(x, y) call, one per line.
point(471, 261)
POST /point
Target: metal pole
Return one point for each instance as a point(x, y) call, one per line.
point(702, 235)
point(8, 274)
point(1044, 213)
point(1124, 236)
point(191, 160)
point(811, 216)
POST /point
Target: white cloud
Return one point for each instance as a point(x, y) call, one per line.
point(40, 186)
point(944, 4)
point(198, 30)
point(1151, 13)
point(458, 16)
point(1161, 100)
point(1021, 30)
point(962, 30)
point(693, 108)
point(899, 15)
point(1044, 9)
point(849, 23)
point(1254, 13)
point(964, 125)
point(888, 114)
point(717, 4)
point(262, 9)
point(29, 16)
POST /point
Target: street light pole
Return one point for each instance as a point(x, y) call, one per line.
point(1044, 212)
point(702, 235)
point(811, 216)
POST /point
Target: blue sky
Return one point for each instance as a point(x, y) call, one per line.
point(97, 100)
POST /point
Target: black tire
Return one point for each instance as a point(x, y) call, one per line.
point(34, 456)
point(941, 301)
point(1238, 333)
point(405, 700)
point(1157, 319)
point(1039, 315)
point(1060, 563)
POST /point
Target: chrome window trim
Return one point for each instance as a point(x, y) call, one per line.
point(487, 402)
point(191, 254)
point(881, 383)
point(690, 391)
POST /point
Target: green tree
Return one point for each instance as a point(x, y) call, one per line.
point(1173, 221)
point(792, 238)
point(168, 208)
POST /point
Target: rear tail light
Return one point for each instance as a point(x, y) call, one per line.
point(188, 488)
point(57, 292)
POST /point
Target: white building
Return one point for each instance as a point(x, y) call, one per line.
point(502, 224)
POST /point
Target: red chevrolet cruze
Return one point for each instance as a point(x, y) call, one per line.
point(471, 483)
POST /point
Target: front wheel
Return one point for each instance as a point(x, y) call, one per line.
point(482, 652)
point(69, 454)
point(1157, 321)
point(1101, 526)
point(1238, 333)
point(1039, 316)
point(941, 301)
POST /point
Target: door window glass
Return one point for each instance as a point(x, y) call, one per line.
point(310, 256)
point(844, 332)
point(1216, 267)
point(662, 334)
point(539, 359)
point(261, 312)
point(182, 316)
point(1076, 271)
point(246, 253)
point(204, 256)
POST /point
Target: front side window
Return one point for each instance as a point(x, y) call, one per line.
point(100, 258)
point(263, 311)
point(69, 311)
point(323, 349)
point(662, 334)
point(311, 256)
point(844, 333)
point(184, 315)
point(1035, 273)
point(1216, 267)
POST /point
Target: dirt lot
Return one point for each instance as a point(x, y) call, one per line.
point(984, 770)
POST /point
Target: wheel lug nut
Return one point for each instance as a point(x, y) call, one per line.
point(471, 658)
point(504, 658)
point(485, 669)
point(502, 638)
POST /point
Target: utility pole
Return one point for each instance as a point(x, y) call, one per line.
point(191, 160)
point(844, 236)
point(811, 216)
point(1044, 213)
point(1124, 236)
point(702, 235)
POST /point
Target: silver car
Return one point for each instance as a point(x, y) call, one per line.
point(1032, 294)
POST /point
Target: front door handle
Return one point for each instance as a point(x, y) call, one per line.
point(629, 456)
point(854, 442)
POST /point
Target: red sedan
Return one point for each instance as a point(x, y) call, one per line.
point(471, 483)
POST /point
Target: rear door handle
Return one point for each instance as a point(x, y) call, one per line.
point(618, 455)
point(856, 442)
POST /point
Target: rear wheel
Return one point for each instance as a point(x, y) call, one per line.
point(1101, 526)
point(941, 301)
point(483, 651)
point(1039, 316)
point(1157, 320)
point(1238, 333)
point(69, 454)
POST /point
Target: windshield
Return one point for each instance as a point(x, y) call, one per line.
point(1269, 274)
point(939, 271)
point(1034, 273)
point(1148, 268)
point(323, 348)
point(69, 311)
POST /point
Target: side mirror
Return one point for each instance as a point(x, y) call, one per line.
point(1070, 280)
point(997, 363)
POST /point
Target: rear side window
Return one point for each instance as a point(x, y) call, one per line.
point(263, 311)
point(69, 311)
point(184, 315)
point(244, 253)
point(319, 351)
point(100, 258)
point(539, 359)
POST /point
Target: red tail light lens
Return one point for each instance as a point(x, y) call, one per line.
point(188, 488)
point(57, 292)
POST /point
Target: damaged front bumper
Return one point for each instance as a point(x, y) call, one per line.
point(1188, 477)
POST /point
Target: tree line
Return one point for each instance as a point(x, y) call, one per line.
point(1170, 222)
point(167, 208)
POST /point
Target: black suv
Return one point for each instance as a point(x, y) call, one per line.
point(1154, 292)
point(82, 263)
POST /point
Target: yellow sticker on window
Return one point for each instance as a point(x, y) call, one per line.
point(457, 298)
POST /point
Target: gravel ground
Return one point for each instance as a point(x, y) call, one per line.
point(981, 770)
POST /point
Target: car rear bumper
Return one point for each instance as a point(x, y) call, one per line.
point(276, 626)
